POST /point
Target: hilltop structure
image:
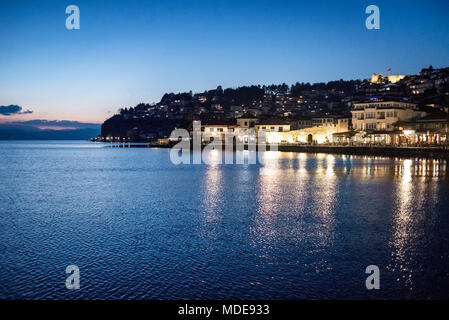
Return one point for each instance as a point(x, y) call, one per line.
point(379, 78)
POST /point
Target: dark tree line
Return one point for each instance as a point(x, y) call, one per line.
point(248, 94)
point(348, 87)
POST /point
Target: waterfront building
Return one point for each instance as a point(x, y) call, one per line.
point(247, 120)
point(432, 129)
point(212, 129)
point(382, 115)
point(302, 123)
point(339, 123)
point(376, 121)
point(320, 133)
point(273, 125)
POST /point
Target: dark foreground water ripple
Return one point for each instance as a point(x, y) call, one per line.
point(301, 226)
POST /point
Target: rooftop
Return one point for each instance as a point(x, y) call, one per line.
point(273, 121)
point(248, 115)
point(218, 122)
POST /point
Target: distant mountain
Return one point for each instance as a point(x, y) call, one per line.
point(48, 130)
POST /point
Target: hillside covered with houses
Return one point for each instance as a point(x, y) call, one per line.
point(386, 109)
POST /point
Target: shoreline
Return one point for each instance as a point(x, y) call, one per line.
point(379, 151)
point(382, 151)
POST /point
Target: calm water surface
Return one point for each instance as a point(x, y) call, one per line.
point(302, 226)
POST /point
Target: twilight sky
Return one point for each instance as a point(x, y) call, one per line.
point(133, 51)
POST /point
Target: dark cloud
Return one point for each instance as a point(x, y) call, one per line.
point(13, 109)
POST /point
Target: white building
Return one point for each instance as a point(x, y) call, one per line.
point(213, 129)
point(247, 120)
point(382, 115)
point(273, 125)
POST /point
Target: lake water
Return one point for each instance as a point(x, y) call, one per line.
point(302, 226)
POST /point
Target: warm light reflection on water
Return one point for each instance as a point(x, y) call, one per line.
point(291, 195)
point(304, 190)
point(270, 193)
point(213, 194)
point(407, 200)
point(324, 198)
point(299, 226)
point(415, 198)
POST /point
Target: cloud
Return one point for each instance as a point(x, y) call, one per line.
point(12, 110)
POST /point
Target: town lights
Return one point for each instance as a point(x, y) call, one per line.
point(408, 132)
point(320, 139)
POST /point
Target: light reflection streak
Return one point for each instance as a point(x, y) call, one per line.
point(269, 193)
point(285, 195)
point(410, 197)
point(282, 194)
point(297, 195)
point(324, 200)
point(213, 193)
